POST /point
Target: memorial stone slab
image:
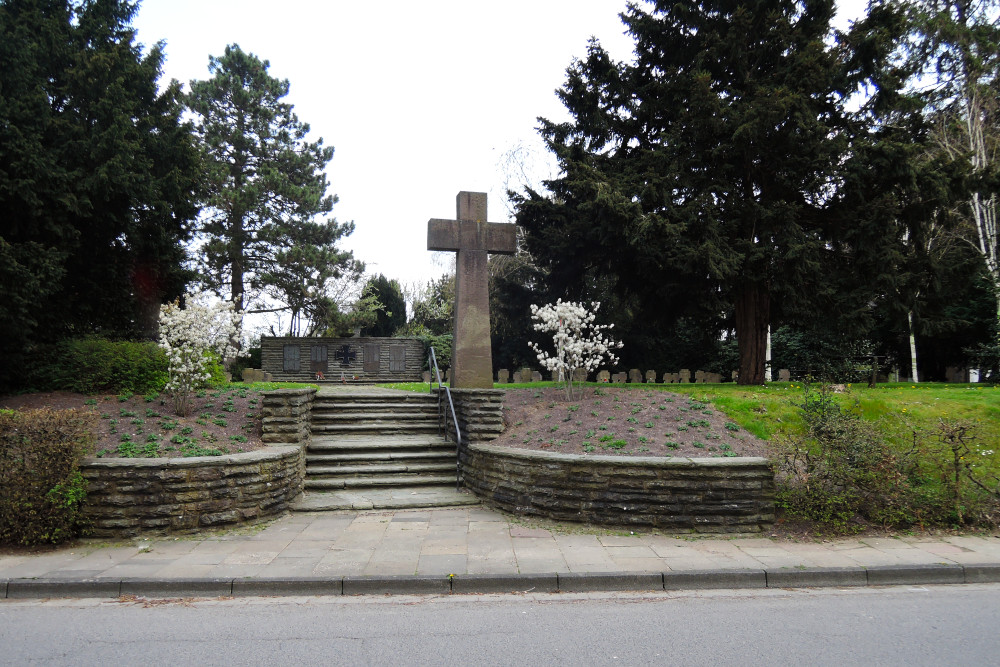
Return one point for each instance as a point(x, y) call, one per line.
point(699, 376)
point(684, 376)
point(651, 376)
point(603, 376)
point(473, 238)
point(620, 378)
point(536, 376)
point(503, 376)
point(426, 375)
point(580, 375)
point(634, 376)
point(784, 375)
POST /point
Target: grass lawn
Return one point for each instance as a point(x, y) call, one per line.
point(773, 410)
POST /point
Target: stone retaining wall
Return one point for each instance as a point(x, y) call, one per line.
point(479, 413)
point(286, 415)
point(702, 495)
point(126, 497)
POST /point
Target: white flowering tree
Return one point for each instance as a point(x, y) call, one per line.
point(579, 342)
point(187, 334)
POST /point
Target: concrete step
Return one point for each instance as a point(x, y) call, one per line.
point(393, 428)
point(372, 405)
point(358, 458)
point(383, 498)
point(377, 399)
point(349, 444)
point(378, 468)
point(373, 416)
point(367, 482)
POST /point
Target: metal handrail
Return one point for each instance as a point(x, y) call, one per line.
point(432, 363)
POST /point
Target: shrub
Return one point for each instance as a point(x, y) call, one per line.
point(98, 365)
point(41, 487)
point(843, 472)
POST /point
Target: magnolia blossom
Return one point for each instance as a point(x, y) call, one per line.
point(187, 334)
point(579, 342)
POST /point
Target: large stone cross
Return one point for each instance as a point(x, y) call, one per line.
point(474, 239)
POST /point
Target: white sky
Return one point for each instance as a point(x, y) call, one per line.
point(420, 99)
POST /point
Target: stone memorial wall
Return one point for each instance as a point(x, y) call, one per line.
point(349, 360)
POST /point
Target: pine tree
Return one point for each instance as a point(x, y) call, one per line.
point(265, 187)
point(704, 178)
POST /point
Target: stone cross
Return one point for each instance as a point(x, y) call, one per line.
point(473, 238)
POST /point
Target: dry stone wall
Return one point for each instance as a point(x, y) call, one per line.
point(479, 413)
point(701, 495)
point(126, 497)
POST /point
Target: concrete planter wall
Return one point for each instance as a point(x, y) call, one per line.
point(703, 495)
point(126, 497)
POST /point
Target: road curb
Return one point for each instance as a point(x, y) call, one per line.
point(466, 584)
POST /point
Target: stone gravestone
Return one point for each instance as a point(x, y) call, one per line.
point(699, 377)
point(524, 375)
point(684, 376)
point(634, 376)
point(503, 376)
point(473, 238)
point(426, 375)
point(536, 376)
point(603, 376)
point(784, 375)
point(620, 378)
point(580, 375)
point(651, 376)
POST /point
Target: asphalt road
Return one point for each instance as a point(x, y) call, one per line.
point(934, 625)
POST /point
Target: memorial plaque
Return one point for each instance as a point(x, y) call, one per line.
point(370, 354)
point(290, 359)
point(317, 359)
point(397, 358)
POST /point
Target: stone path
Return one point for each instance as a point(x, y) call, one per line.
point(478, 550)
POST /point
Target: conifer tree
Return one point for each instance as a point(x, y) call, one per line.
point(265, 187)
point(705, 178)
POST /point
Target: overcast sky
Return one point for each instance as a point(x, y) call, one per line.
point(420, 99)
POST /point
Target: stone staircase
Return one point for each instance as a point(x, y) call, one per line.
point(373, 449)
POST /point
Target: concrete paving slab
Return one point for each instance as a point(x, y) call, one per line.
point(442, 564)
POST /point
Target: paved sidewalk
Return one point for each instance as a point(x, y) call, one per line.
point(472, 549)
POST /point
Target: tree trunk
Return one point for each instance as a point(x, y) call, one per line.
point(913, 349)
point(753, 314)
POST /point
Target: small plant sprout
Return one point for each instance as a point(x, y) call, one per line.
point(580, 344)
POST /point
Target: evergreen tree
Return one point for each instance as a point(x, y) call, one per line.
point(390, 315)
point(956, 46)
point(705, 179)
point(265, 186)
point(97, 174)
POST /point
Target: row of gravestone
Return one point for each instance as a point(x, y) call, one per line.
point(634, 376)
